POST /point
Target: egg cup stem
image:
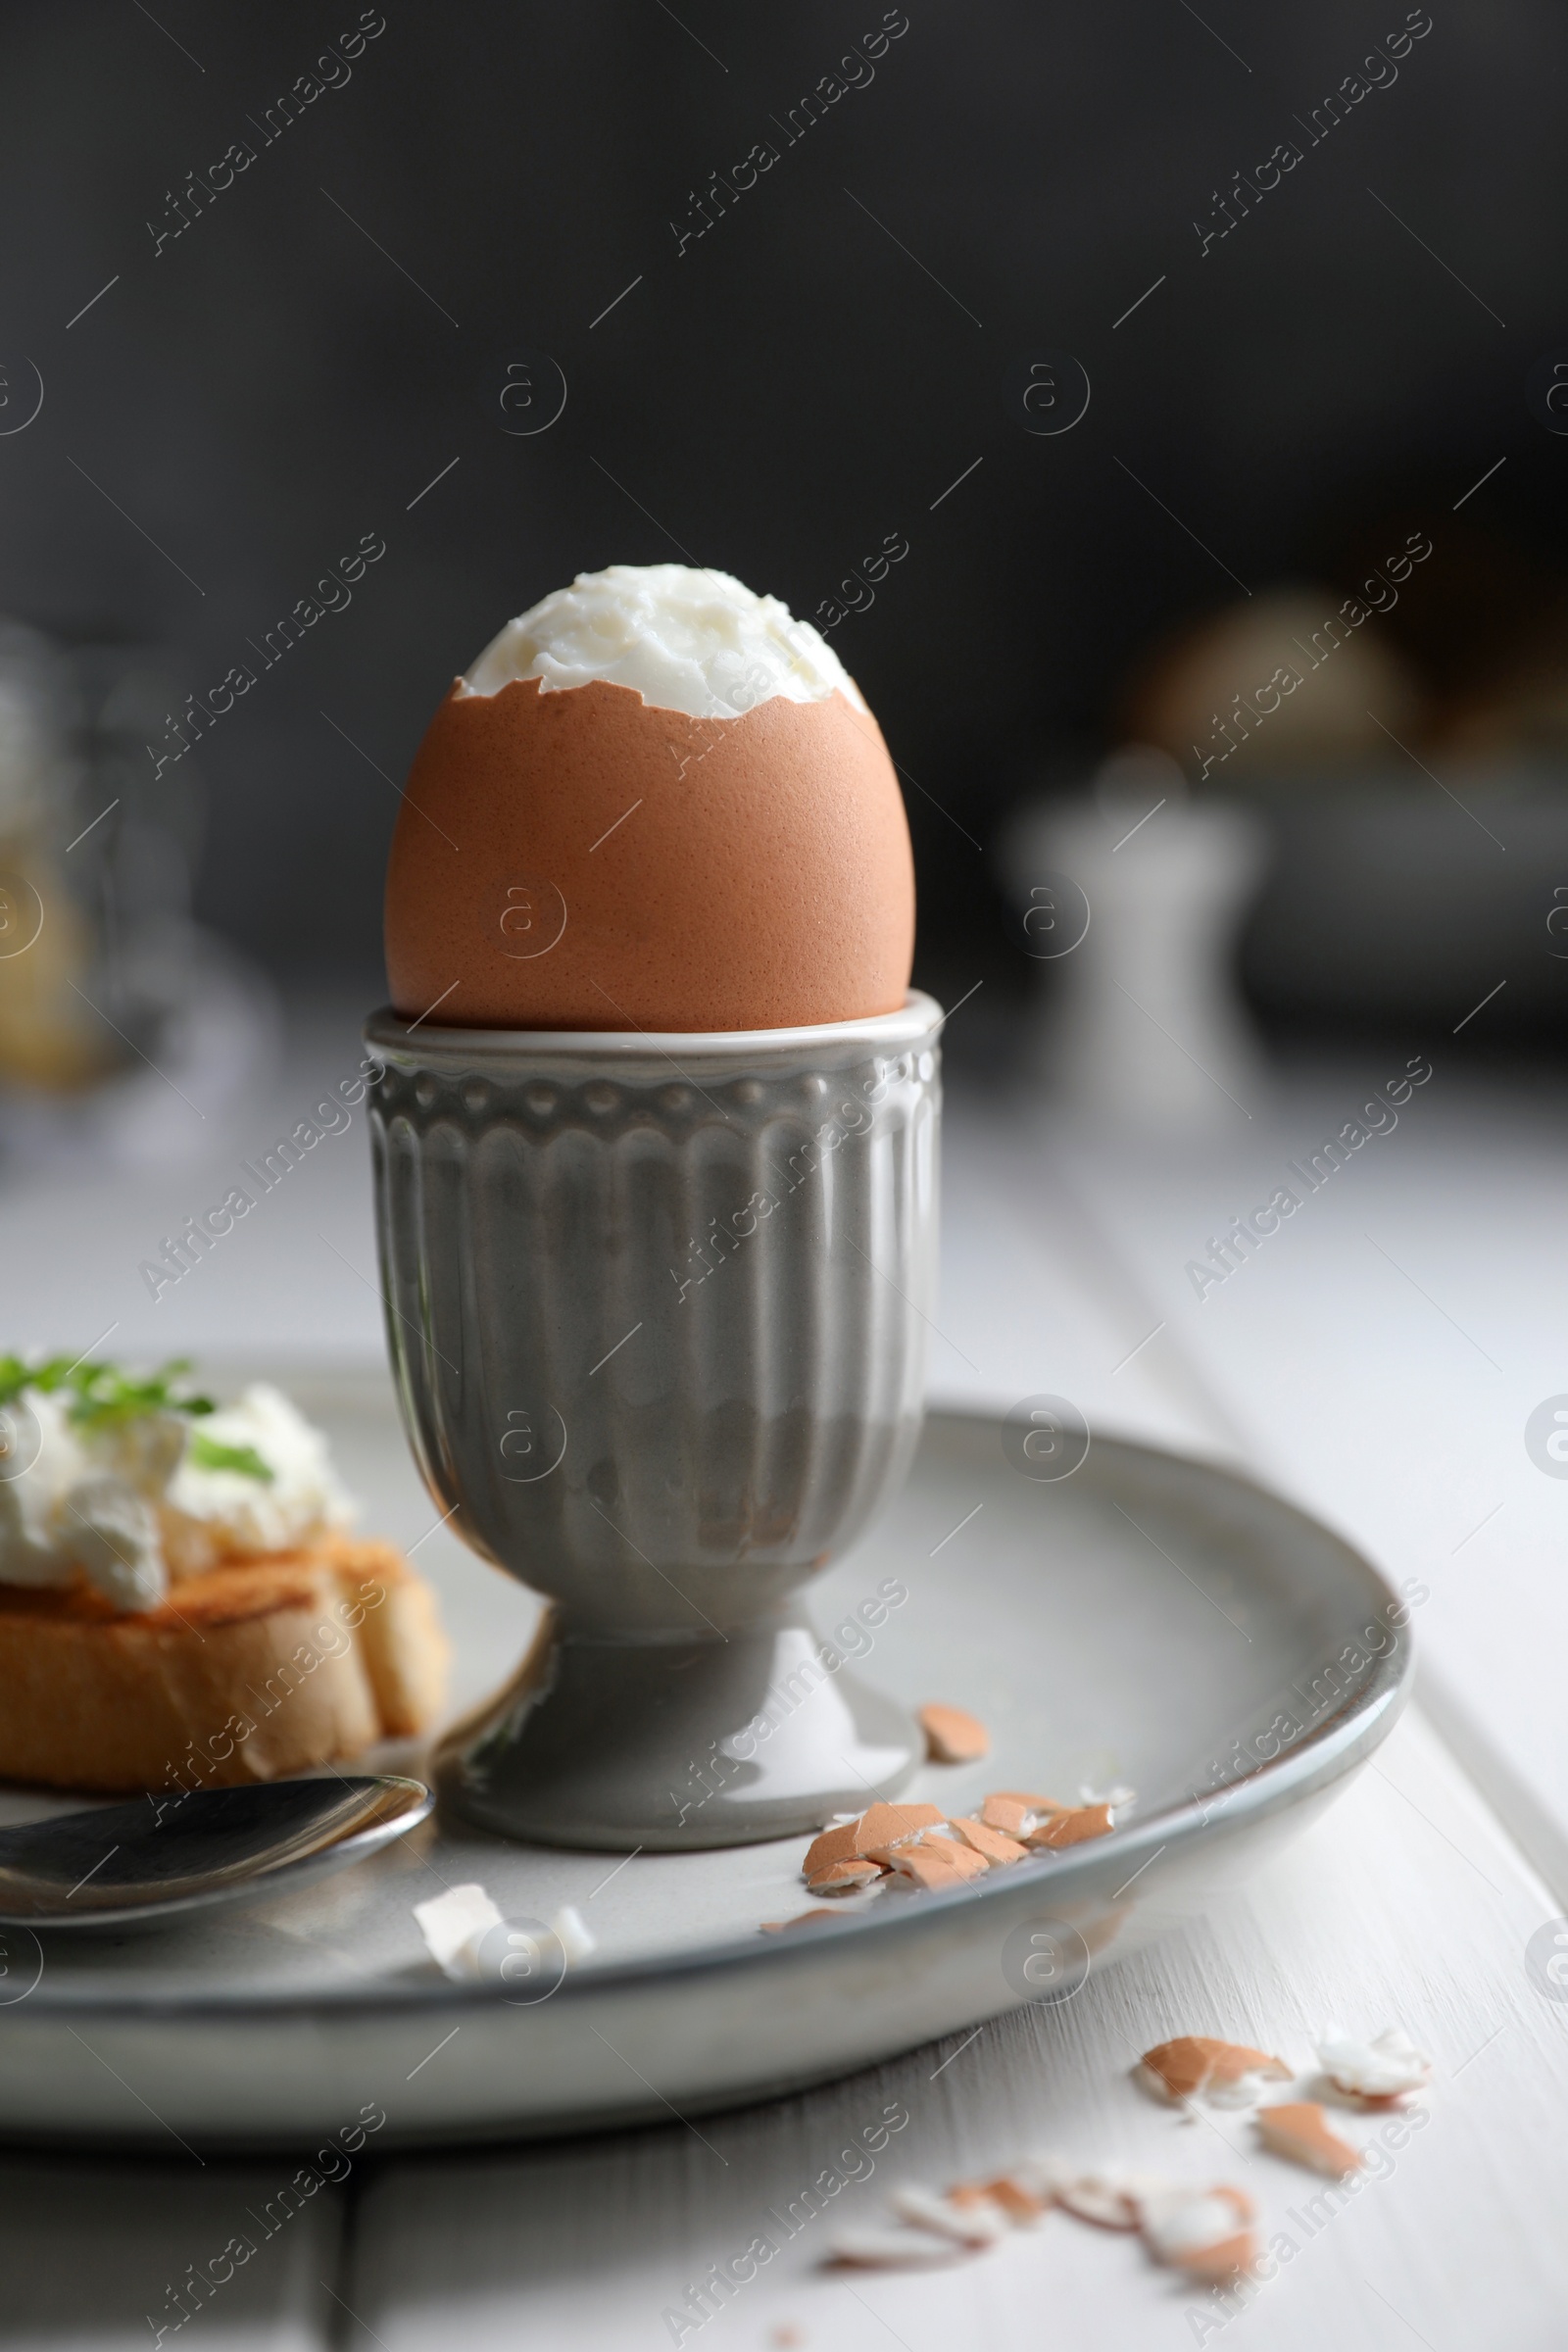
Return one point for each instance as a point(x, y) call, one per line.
point(656, 1309)
point(717, 1741)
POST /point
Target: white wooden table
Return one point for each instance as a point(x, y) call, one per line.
point(1379, 1357)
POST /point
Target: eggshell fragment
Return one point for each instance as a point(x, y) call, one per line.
point(584, 860)
point(1043, 2177)
point(934, 1862)
point(1016, 1812)
point(1376, 2073)
point(972, 2223)
point(1208, 2233)
point(1009, 1815)
point(1012, 2196)
point(926, 1869)
point(892, 2249)
point(988, 1841)
point(1232, 2258)
point(967, 1860)
point(1111, 2199)
point(1072, 1827)
point(881, 1825)
point(868, 1837)
point(889, 1825)
point(843, 1877)
point(781, 1926)
point(1195, 2063)
point(952, 1736)
point(832, 1847)
point(1299, 2131)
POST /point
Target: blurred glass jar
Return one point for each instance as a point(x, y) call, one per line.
point(49, 1036)
point(124, 1026)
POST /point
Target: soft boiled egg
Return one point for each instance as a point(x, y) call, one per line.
point(656, 802)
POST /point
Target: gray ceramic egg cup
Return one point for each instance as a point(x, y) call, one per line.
point(656, 1308)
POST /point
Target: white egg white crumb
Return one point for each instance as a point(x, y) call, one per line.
point(454, 1924)
point(460, 1927)
point(572, 1933)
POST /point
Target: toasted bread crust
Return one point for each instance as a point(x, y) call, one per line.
point(245, 1672)
point(399, 1633)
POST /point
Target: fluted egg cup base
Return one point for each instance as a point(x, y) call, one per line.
point(673, 1744)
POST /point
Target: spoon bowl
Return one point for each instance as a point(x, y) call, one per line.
point(116, 1865)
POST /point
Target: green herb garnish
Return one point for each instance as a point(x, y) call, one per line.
point(103, 1394)
point(208, 1454)
point(17, 1374)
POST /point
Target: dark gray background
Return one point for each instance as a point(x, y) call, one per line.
point(780, 396)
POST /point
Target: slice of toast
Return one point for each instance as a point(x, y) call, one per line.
point(257, 1668)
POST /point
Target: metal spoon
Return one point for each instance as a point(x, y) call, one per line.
point(161, 1853)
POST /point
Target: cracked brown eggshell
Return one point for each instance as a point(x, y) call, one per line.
point(582, 860)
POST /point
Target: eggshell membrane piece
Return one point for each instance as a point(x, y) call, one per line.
point(671, 873)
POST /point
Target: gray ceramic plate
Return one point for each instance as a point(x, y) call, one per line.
point(1151, 1622)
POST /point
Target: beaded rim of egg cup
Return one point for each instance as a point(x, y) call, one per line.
point(454, 1050)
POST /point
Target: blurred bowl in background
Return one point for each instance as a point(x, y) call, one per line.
point(1290, 681)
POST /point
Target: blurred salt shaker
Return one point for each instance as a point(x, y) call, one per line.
point(1136, 898)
